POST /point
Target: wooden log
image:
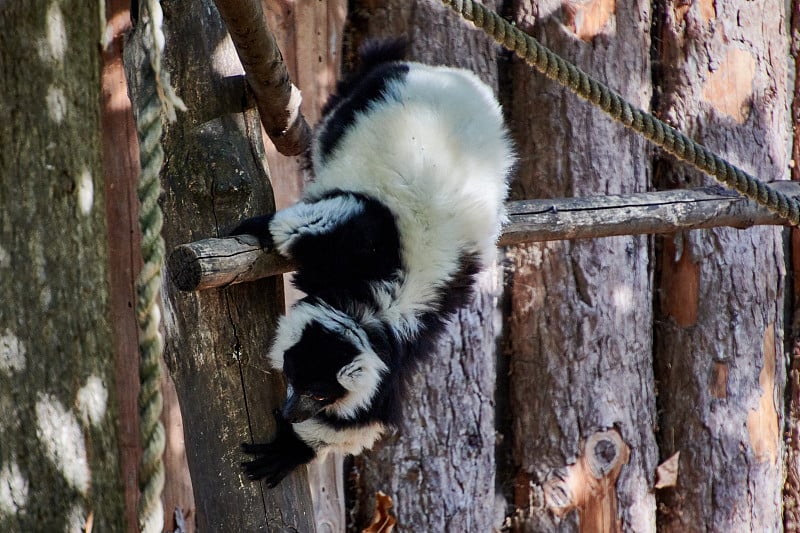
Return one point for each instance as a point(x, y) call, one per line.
point(219, 262)
point(214, 340)
point(278, 100)
point(720, 295)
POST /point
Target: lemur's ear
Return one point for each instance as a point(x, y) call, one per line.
point(362, 373)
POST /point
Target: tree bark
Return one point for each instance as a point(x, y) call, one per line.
point(216, 341)
point(719, 336)
point(791, 492)
point(580, 324)
point(438, 467)
point(59, 435)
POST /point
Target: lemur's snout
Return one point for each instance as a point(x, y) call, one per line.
point(299, 407)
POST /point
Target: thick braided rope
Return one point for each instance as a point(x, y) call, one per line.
point(148, 284)
point(663, 135)
point(158, 98)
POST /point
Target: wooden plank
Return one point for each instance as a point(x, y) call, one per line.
point(120, 170)
point(219, 262)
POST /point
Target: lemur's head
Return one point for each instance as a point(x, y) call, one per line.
point(328, 361)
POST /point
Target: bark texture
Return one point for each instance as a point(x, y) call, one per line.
point(719, 338)
point(216, 340)
point(438, 467)
point(59, 446)
point(580, 324)
point(791, 494)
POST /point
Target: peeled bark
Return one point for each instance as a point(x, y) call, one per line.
point(719, 337)
point(580, 326)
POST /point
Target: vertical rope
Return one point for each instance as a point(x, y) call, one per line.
point(158, 98)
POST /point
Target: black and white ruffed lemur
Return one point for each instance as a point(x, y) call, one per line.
point(410, 168)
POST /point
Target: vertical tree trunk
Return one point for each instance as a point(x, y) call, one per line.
point(438, 467)
point(719, 335)
point(791, 493)
point(216, 340)
point(59, 449)
point(580, 324)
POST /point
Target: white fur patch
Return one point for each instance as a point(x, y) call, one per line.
point(311, 219)
point(323, 438)
point(361, 377)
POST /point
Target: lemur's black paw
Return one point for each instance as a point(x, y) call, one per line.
point(268, 464)
point(258, 227)
point(275, 460)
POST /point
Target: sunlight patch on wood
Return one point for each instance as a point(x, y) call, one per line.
point(729, 88)
point(588, 18)
point(762, 423)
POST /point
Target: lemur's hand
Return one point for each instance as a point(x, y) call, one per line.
point(258, 227)
point(275, 460)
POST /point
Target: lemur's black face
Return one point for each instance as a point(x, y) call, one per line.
point(311, 368)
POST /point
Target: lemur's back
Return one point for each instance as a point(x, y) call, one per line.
point(430, 143)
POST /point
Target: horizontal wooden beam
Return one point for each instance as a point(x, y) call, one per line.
point(219, 262)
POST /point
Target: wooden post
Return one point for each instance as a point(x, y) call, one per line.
point(59, 410)
point(791, 492)
point(216, 340)
point(722, 78)
point(580, 325)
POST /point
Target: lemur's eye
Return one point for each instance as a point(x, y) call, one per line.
point(319, 398)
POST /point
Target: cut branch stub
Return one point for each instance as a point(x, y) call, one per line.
point(214, 262)
point(589, 485)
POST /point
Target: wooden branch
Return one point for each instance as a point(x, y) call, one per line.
point(218, 262)
point(278, 100)
point(635, 214)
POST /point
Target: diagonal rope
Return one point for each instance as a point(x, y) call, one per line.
point(158, 98)
point(661, 134)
